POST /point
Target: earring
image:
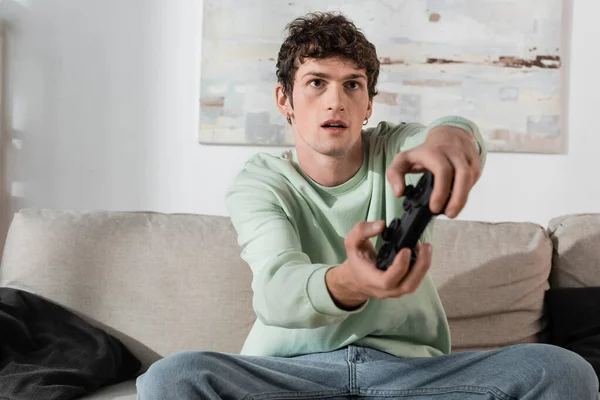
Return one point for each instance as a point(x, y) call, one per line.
point(366, 121)
point(289, 120)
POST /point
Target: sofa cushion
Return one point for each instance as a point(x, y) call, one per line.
point(491, 278)
point(160, 283)
point(576, 258)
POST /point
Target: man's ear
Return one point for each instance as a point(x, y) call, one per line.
point(283, 101)
point(369, 109)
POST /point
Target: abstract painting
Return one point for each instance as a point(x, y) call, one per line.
point(496, 62)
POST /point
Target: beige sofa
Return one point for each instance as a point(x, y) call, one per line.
point(164, 283)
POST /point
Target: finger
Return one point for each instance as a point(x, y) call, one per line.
point(417, 160)
point(463, 182)
point(402, 164)
point(395, 173)
point(443, 173)
point(473, 156)
point(396, 271)
point(415, 275)
point(361, 233)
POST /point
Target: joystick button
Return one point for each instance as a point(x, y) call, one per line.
point(386, 234)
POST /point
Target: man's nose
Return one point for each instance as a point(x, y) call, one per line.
point(335, 98)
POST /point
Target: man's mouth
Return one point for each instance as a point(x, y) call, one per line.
point(334, 125)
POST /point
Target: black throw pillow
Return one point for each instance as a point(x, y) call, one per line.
point(574, 321)
point(47, 352)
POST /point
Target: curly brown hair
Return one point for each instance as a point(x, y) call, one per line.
point(321, 35)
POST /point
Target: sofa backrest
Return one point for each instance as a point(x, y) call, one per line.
point(164, 283)
point(160, 283)
point(491, 278)
point(576, 256)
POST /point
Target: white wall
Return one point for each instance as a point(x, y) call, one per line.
point(102, 104)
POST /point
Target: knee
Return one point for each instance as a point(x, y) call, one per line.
point(560, 365)
point(162, 376)
point(169, 375)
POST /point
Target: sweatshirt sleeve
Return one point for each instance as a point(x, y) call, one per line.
point(289, 290)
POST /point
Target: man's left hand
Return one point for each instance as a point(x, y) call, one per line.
point(450, 153)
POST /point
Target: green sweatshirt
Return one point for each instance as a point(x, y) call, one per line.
point(292, 230)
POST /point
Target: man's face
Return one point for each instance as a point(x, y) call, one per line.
point(331, 101)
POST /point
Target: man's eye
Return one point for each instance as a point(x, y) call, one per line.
point(353, 85)
point(316, 82)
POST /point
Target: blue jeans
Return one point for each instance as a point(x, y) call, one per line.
point(527, 371)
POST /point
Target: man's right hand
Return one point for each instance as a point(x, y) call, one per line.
point(358, 279)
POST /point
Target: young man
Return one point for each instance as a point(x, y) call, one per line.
point(330, 324)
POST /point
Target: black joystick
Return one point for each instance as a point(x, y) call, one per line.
point(405, 232)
